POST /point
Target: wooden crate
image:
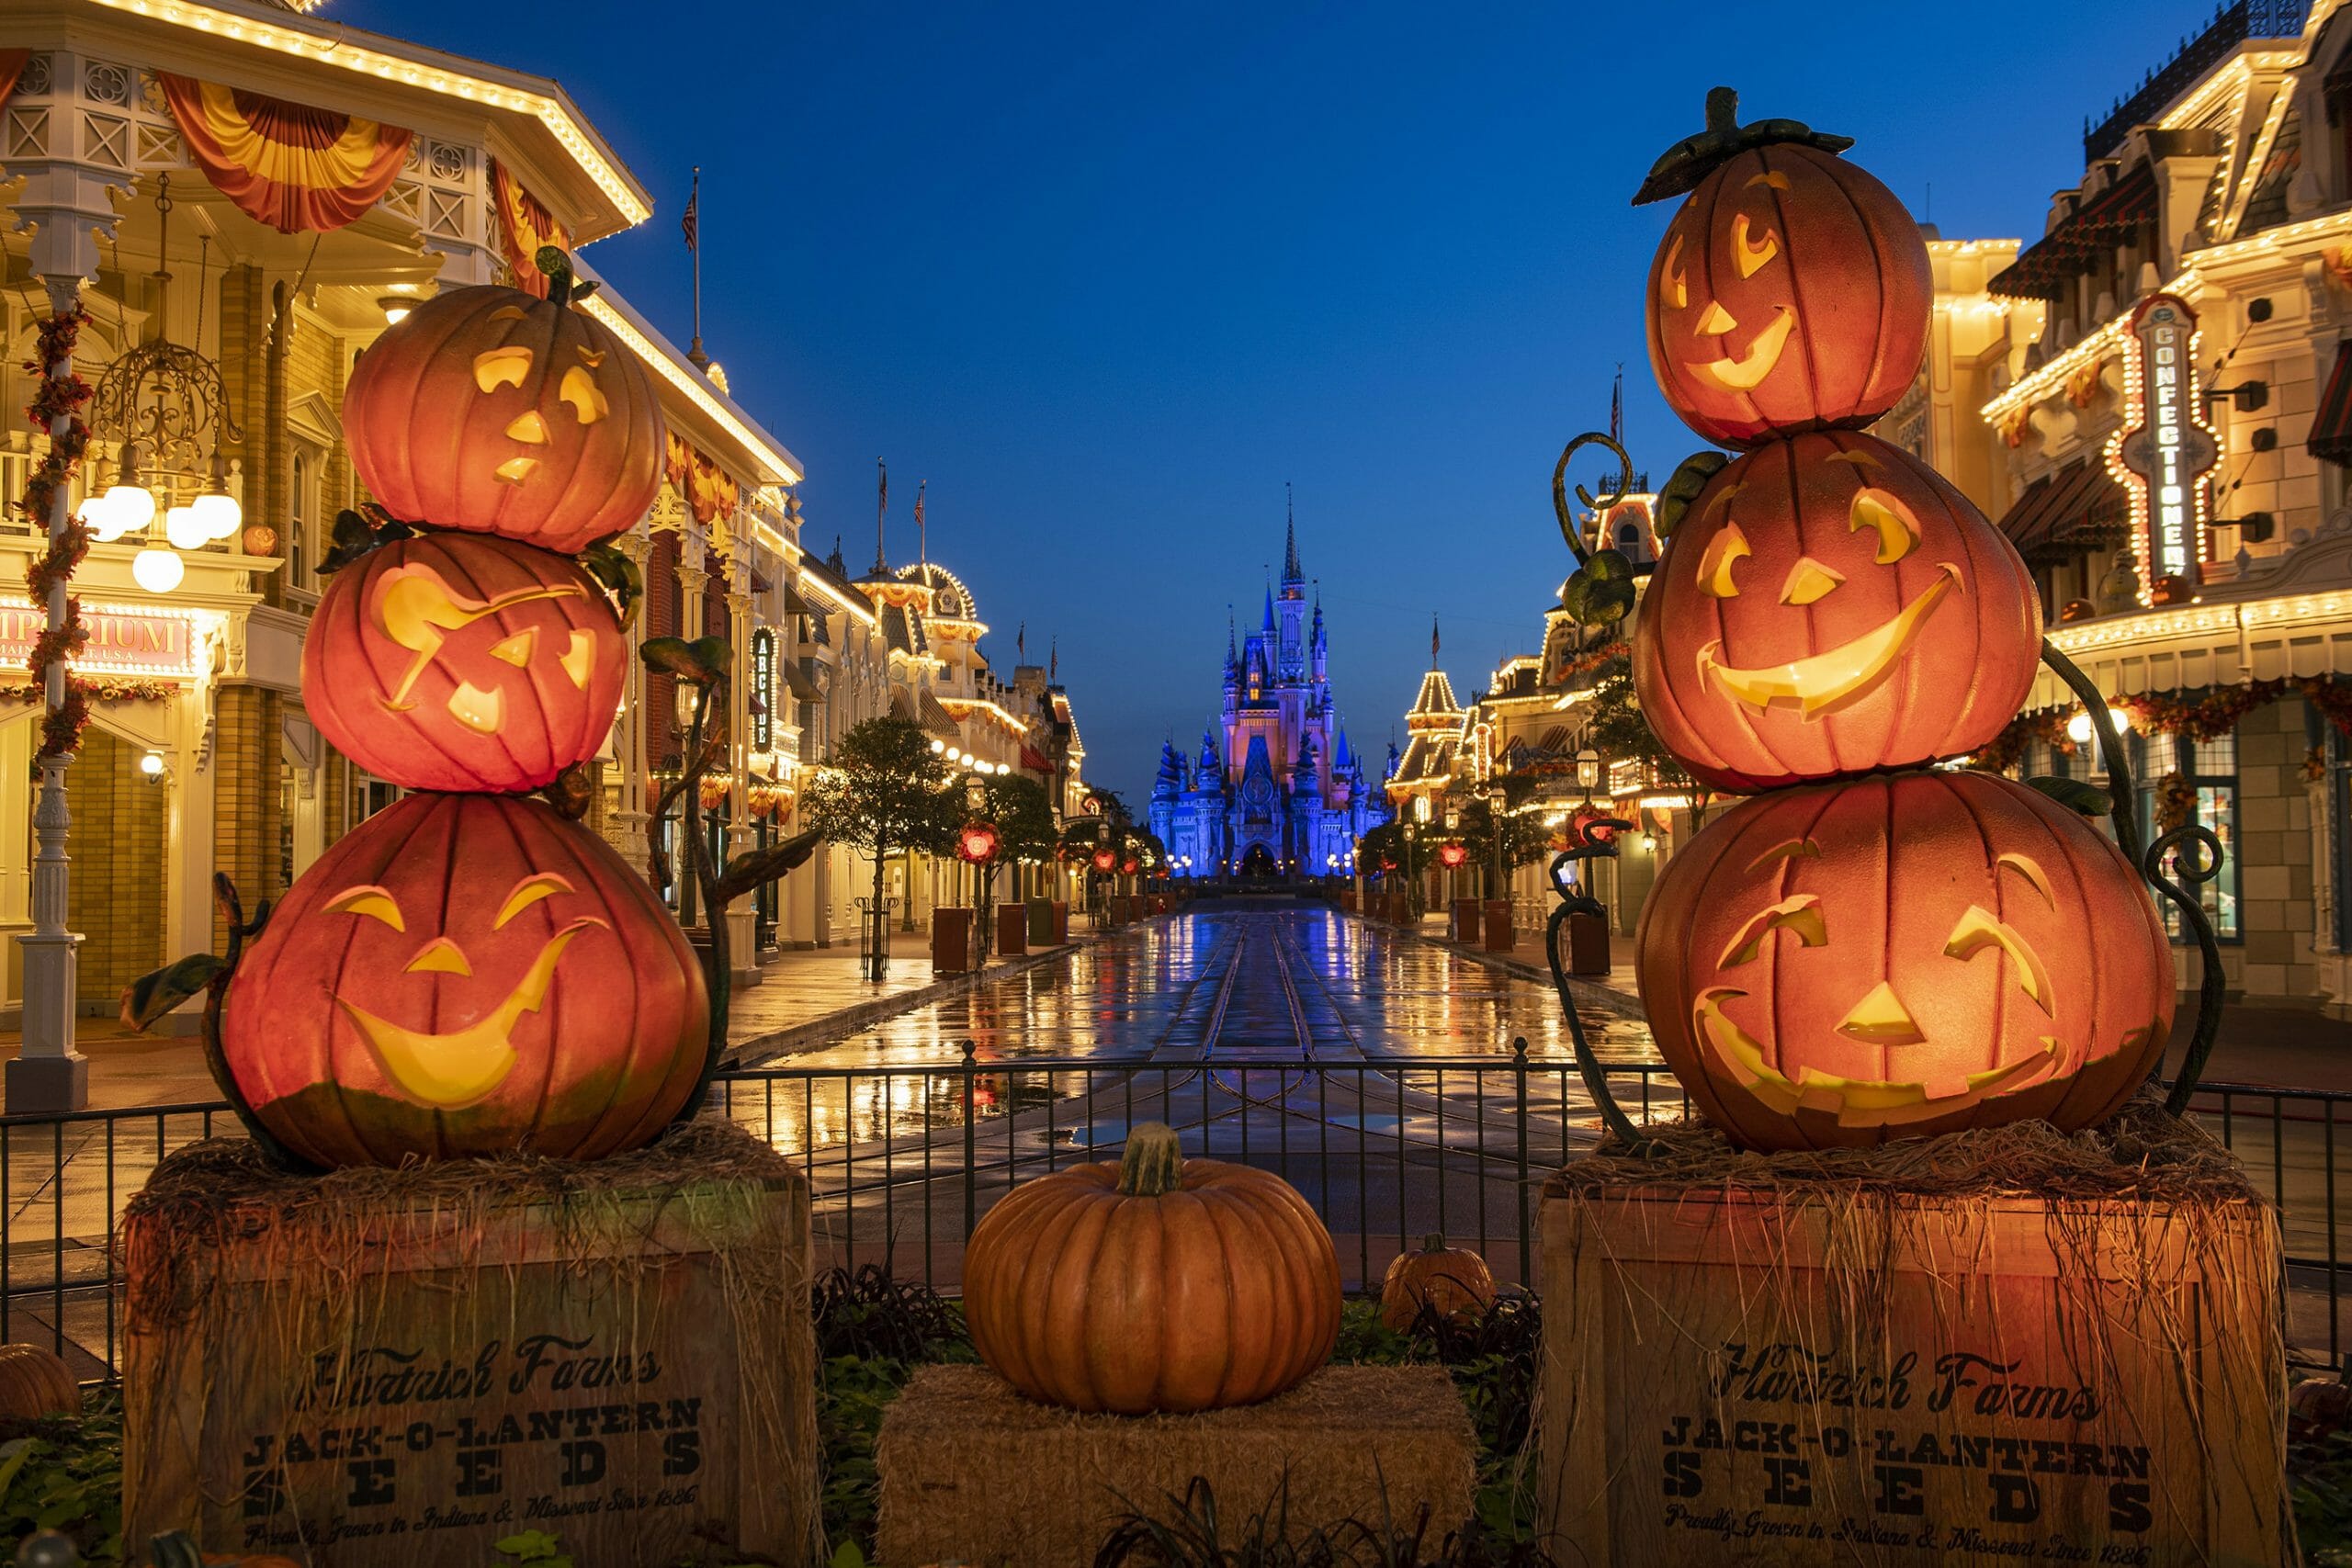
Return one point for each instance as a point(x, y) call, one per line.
point(973, 1473)
point(584, 1349)
point(1809, 1379)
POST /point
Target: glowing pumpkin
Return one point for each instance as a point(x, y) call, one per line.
point(461, 661)
point(1830, 607)
point(1900, 956)
point(1791, 290)
point(467, 974)
point(488, 409)
point(1157, 1283)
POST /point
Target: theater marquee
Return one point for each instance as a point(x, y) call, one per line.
point(2166, 449)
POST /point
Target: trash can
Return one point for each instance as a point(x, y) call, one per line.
point(1587, 945)
point(1348, 902)
point(1465, 921)
point(1012, 930)
point(1041, 922)
point(1061, 922)
point(951, 941)
point(1500, 937)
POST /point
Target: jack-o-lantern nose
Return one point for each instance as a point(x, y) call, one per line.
point(440, 956)
point(1881, 1019)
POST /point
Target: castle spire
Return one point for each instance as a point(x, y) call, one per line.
point(1291, 576)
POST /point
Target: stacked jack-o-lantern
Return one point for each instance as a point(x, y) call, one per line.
point(469, 972)
point(1874, 947)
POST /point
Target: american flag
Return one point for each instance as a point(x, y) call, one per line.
point(691, 221)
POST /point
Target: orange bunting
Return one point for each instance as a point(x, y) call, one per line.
point(706, 488)
point(11, 65)
point(524, 225)
point(300, 170)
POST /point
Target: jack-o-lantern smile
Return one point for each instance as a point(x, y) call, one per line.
point(1841, 963)
point(1829, 607)
point(453, 1069)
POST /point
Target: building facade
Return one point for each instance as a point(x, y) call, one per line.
point(1276, 789)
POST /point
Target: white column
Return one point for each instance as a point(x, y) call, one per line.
point(627, 828)
point(742, 915)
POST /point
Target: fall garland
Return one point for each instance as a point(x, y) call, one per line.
point(1591, 660)
point(105, 690)
point(2198, 718)
point(58, 397)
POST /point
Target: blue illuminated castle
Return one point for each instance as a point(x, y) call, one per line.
point(1284, 793)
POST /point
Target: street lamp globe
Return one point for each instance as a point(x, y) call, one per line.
point(1588, 770)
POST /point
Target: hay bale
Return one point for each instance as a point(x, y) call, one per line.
point(396, 1367)
point(2005, 1344)
point(973, 1472)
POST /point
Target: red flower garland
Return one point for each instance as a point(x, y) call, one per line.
point(2201, 718)
point(55, 398)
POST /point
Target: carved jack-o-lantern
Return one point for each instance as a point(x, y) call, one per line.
point(1790, 293)
point(465, 974)
point(459, 662)
point(1831, 606)
point(1900, 956)
point(488, 409)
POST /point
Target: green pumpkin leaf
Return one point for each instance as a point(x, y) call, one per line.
point(1610, 566)
point(687, 661)
point(714, 655)
point(619, 576)
point(2074, 794)
point(550, 259)
point(1592, 600)
point(1690, 478)
point(153, 995)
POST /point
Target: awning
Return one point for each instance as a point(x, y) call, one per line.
point(2111, 219)
point(793, 604)
point(936, 721)
point(2062, 516)
point(804, 689)
point(2330, 437)
point(1034, 760)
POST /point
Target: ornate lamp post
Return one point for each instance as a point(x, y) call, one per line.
point(1497, 796)
point(1453, 826)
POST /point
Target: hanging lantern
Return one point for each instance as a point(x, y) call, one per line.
point(976, 843)
point(1129, 866)
point(1454, 857)
point(1107, 861)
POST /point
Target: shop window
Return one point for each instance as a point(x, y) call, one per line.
point(2209, 769)
point(370, 795)
point(301, 516)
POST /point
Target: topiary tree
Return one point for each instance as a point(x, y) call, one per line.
point(885, 791)
point(1523, 841)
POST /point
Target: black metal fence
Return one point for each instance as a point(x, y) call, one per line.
point(903, 1160)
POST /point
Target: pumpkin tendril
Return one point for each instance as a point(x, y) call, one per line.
point(1153, 1164)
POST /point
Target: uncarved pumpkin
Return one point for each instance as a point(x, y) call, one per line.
point(487, 408)
point(1903, 955)
point(36, 1383)
point(1453, 1282)
point(462, 661)
point(467, 974)
point(1157, 1283)
point(1831, 606)
point(1791, 292)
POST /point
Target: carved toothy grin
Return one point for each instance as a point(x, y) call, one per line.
point(1827, 682)
point(1748, 370)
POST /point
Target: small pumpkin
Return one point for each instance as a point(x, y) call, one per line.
point(490, 409)
point(36, 1383)
point(1453, 1280)
point(179, 1549)
point(1157, 1283)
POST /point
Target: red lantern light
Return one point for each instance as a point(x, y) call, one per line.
point(976, 844)
point(466, 975)
point(1127, 867)
point(1107, 861)
point(1454, 857)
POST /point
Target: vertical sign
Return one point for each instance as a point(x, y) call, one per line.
point(763, 687)
point(2166, 447)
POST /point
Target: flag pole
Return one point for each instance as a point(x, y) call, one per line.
point(692, 225)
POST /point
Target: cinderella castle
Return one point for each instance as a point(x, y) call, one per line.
point(1283, 793)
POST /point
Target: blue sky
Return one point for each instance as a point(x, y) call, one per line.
point(1108, 276)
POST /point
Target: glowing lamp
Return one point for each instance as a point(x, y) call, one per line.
point(1107, 861)
point(1128, 866)
point(157, 569)
point(219, 514)
point(976, 844)
point(150, 766)
point(1454, 857)
point(184, 529)
point(130, 507)
point(2079, 728)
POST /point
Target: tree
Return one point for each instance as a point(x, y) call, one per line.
point(1024, 819)
point(885, 791)
point(1523, 840)
point(1380, 848)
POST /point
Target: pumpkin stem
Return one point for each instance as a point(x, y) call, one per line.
point(1723, 108)
point(1153, 1164)
point(1433, 1242)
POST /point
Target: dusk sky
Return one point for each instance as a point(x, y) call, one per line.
point(1107, 275)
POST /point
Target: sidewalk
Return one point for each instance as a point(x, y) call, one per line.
point(804, 999)
point(2271, 1046)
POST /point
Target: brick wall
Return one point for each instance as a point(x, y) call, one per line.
point(246, 809)
point(115, 896)
point(2275, 906)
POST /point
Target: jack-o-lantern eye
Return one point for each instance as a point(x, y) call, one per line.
point(1725, 550)
point(1674, 284)
point(1800, 914)
point(527, 892)
point(503, 366)
point(1979, 929)
point(1809, 580)
point(579, 392)
point(1795, 849)
point(1748, 256)
point(372, 901)
point(579, 659)
point(1898, 530)
point(1770, 179)
point(516, 650)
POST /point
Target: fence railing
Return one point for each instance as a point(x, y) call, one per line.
point(902, 1161)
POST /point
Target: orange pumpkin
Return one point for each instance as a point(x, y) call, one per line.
point(459, 662)
point(1792, 289)
point(489, 409)
point(36, 1383)
point(467, 974)
point(1453, 1282)
point(1831, 606)
point(1154, 1284)
point(1899, 957)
